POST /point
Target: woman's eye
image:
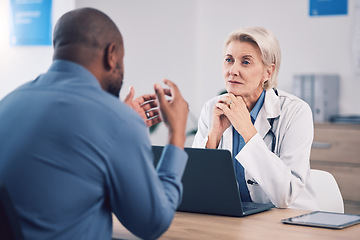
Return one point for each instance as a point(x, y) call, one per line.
point(228, 60)
point(246, 62)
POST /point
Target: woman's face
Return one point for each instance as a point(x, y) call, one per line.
point(243, 70)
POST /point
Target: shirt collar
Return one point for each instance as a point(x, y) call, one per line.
point(255, 111)
point(71, 67)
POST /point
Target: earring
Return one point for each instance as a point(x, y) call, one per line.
point(263, 84)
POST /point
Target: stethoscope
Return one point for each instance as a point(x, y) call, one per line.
point(273, 143)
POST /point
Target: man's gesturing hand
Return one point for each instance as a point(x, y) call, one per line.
point(174, 112)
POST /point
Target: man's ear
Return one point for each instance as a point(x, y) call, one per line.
point(110, 57)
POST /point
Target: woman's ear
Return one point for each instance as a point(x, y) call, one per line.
point(270, 70)
point(110, 57)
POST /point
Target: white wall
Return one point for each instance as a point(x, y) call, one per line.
point(309, 44)
point(24, 63)
point(160, 39)
point(182, 40)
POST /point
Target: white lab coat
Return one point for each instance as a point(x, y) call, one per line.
point(282, 177)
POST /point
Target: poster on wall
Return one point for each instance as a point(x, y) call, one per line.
point(30, 22)
point(328, 7)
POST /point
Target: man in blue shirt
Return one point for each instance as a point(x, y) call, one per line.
point(71, 153)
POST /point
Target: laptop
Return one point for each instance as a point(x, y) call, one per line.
point(210, 186)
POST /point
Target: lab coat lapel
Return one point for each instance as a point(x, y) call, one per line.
point(270, 109)
point(261, 124)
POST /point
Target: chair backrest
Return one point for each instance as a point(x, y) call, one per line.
point(9, 222)
point(327, 192)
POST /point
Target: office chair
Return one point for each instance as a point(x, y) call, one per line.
point(9, 222)
point(328, 195)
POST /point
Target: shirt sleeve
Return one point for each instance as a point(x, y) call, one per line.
point(144, 199)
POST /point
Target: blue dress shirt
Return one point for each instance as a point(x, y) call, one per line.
point(238, 144)
point(71, 154)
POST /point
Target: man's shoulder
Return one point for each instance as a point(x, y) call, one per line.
point(87, 100)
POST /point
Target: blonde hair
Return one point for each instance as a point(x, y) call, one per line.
point(268, 45)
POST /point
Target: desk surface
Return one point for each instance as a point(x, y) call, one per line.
point(265, 225)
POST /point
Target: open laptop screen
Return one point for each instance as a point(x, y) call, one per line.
point(209, 183)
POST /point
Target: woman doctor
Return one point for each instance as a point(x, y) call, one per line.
point(268, 131)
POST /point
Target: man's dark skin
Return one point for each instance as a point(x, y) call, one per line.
point(90, 38)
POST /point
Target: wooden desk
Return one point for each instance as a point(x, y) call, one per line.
point(265, 225)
